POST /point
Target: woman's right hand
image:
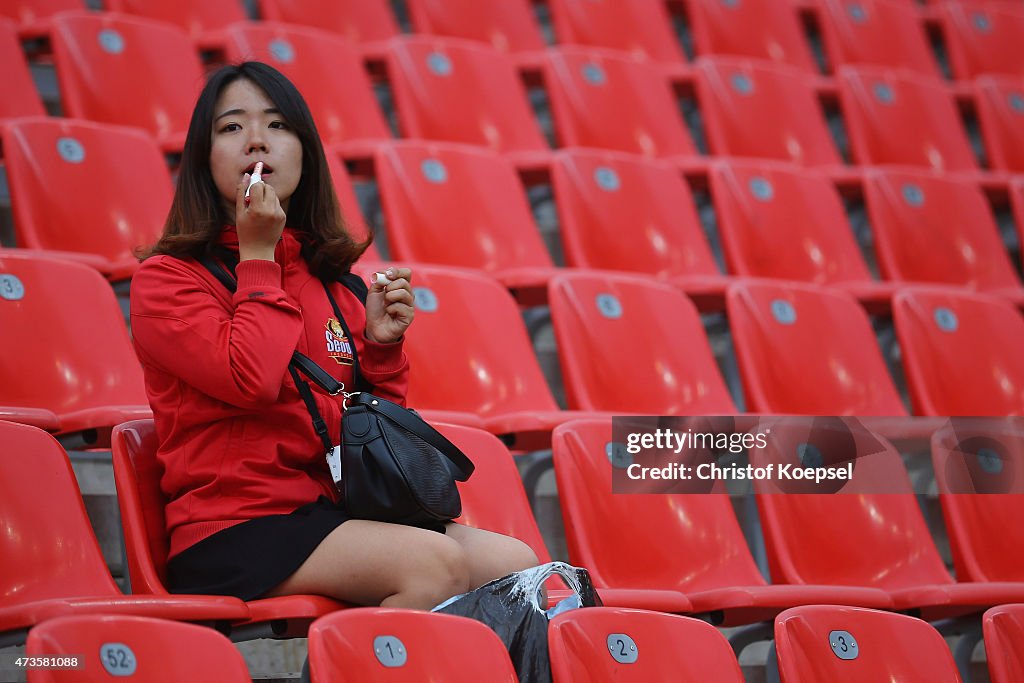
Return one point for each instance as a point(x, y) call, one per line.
point(259, 224)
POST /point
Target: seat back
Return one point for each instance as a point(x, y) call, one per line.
point(763, 110)
point(195, 17)
point(628, 343)
point(642, 27)
point(862, 32)
point(1000, 105)
point(107, 64)
point(961, 352)
point(929, 228)
point(756, 29)
point(603, 197)
point(48, 545)
point(381, 644)
point(27, 12)
point(326, 69)
point(807, 350)
point(457, 205)
point(87, 375)
point(86, 187)
point(21, 98)
point(358, 21)
point(351, 212)
point(508, 25)
point(779, 221)
point(686, 541)
point(867, 532)
point(977, 464)
point(902, 118)
point(983, 38)
point(461, 91)
point(602, 98)
point(612, 644)
point(141, 501)
point(1003, 627)
point(142, 648)
point(819, 643)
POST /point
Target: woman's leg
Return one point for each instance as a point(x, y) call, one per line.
point(375, 563)
point(490, 555)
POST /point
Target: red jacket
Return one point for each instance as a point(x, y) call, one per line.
point(236, 440)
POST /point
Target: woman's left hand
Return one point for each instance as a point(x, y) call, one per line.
point(390, 306)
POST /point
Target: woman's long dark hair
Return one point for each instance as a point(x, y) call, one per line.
point(197, 215)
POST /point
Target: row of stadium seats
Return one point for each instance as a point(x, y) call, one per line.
point(977, 38)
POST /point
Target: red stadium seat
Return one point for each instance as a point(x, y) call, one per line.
point(86, 187)
point(604, 644)
point(107, 65)
point(983, 38)
point(1004, 642)
point(328, 72)
point(89, 378)
point(757, 29)
point(53, 565)
point(689, 542)
point(137, 474)
point(145, 649)
point(600, 98)
point(1000, 106)
point(880, 32)
point(20, 95)
point(600, 317)
point(359, 21)
point(822, 643)
point(806, 350)
point(758, 109)
point(381, 644)
point(781, 221)
point(961, 352)
point(350, 210)
point(461, 206)
point(930, 228)
point(902, 118)
point(461, 91)
point(33, 16)
point(641, 27)
point(494, 499)
point(203, 21)
point(869, 532)
point(508, 25)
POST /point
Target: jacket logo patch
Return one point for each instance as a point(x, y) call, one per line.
point(338, 345)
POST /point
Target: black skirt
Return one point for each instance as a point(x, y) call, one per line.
point(251, 558)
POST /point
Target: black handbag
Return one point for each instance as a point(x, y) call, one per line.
point(391, 466)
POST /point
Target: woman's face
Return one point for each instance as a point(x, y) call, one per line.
point(247, 128)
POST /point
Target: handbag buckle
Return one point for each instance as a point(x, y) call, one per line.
point(345, 396)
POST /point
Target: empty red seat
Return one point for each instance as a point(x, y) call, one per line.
point(983, 38)
point(807, 350)
point(376, 643)
point(1004, 642)
point(88, 377)
point(901, 118)
point(351, 212)
point(86, 187)
point(641, 27)
point(604, 644)
point(508, 25)
point(359, 21)
point(822, 643)
point(461, 91)
point(597, 316)
point(607, 99)
point(759, 109)
point(757, 29)
point(326, 69)
point(33, 16)
point(107, 65)
point(142, 648)
point(46, 526)
point(960, 352)
point(879, 32)
point(931, 228)
point(1000, 106)
point(20, 95)
point(202, 21)
point(638, 540)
